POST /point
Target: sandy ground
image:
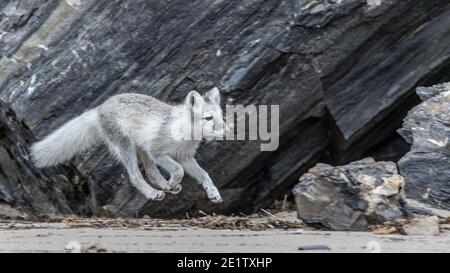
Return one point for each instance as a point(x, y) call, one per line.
point(281, 233)
point(57, 238)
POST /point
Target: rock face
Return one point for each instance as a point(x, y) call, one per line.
point(350, 197)
point(342, 72)
point(35, 192)
point(427, 129)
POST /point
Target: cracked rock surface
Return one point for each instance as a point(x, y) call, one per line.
point(26, 191)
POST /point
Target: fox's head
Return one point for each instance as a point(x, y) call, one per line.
point(206, 114)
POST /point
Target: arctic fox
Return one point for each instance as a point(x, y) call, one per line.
point(135, 126)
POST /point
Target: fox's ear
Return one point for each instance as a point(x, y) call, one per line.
point(213, 95)
point(194, 100)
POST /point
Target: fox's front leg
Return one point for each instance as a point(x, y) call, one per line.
point(126, 153)
point(191, 166)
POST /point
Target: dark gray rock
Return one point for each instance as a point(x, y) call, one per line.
point(350, 197)
point(59, 191)
point(341, 71)
point(397, 54)
point(426, 93)
point(418, 209)
point(426, 166)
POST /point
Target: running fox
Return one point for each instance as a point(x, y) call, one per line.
point(136, 126)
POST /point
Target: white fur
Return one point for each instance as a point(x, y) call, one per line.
point(73, 137)
point(135, 126)
point(143, 130)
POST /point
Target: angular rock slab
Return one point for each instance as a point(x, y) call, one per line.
point(350, 197)
point(26, 190)
point(426, 167)
point(72, 55)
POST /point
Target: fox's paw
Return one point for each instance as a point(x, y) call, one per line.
point(216, 199)
point(214, 195)
point(156, 195)
point(175, 189)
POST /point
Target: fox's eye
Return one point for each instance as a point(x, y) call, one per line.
point(208, 118)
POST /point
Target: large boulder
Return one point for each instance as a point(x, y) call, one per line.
point(342, 73)
point(426, 167)
point(29, 190)
point(351, 197)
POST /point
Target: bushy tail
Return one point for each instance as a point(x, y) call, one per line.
point(73, 137)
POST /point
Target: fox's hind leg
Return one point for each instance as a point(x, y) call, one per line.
point(175, 170)
point(155, 176)
point(125, 151)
